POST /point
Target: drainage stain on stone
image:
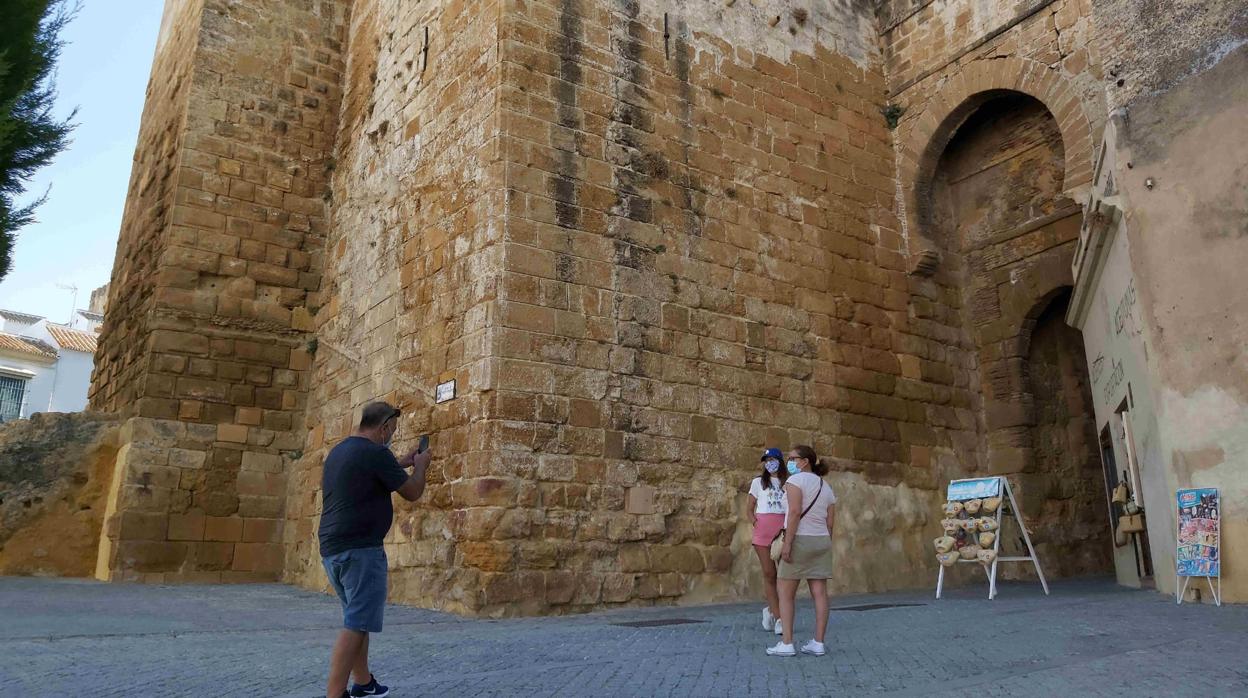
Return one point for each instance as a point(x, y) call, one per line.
point(876, 606)
point(656, 623)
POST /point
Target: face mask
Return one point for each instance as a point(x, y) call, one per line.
point(773, 466)
point(793, 468)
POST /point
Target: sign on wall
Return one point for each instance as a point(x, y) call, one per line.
point(1199, 541)
point(444, 392)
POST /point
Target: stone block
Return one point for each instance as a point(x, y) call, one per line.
point(561, 586)
point(223, 528)
point(257, 557)
point(670, 584)
point(261, 531)
point(136, 525)
point(143, 498)
point(188, 526)
point(262, 462)
point(512, 587)
point(150, 555)
point(137, 456)
point(249, 416)
point(210, 558)
point(1006, 460)
point(920, 456)
point(703, 429)
point(634, 557)
point(190, 410)
point(676, 558)
point(262, 506)
point(717, 559)
point(234, 433)
point(639, 500)
point(492, 492)
point(488, 556)
point(619, 587)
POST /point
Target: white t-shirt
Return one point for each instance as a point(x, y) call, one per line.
point(770, 500)
point(815, 522)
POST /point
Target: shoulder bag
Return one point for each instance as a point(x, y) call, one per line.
point(777, 545)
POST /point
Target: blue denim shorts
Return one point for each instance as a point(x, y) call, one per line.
point(359, 578)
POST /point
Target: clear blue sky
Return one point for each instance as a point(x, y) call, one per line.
point(103, 71)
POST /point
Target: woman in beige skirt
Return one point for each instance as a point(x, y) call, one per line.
point(807, 551)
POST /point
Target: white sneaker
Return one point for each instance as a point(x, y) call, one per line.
point(779, 629)
point(769, 621)
point(815, 648)
point(781, 650)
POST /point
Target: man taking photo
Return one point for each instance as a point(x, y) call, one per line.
point(356, 513)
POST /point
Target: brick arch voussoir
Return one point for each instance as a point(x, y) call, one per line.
point(943, 112)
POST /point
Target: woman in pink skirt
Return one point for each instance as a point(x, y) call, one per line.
point(767, 510)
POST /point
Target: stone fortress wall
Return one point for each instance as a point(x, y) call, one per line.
point(646, 239)
point(205, 349)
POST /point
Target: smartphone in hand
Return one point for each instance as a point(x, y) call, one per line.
point(423, 445)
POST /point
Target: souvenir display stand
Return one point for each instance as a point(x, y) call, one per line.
point(1199, 541)
point(977, 491)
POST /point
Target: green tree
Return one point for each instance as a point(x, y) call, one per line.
point(29, 135)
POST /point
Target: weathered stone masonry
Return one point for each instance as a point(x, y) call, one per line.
point(645, 238)
point(221, 245)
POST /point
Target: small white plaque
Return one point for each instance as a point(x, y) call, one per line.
point(445, 391)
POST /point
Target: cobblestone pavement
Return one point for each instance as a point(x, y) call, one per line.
point(1091, 638)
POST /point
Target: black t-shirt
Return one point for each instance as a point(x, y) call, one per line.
point(356, 510)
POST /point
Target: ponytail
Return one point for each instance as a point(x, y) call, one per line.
point(817, 466)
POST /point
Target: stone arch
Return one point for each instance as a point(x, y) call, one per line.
point(1063, 479)
point(1037, 288)
point(1006, 345)
point(925, 136)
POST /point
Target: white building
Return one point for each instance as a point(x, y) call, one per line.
point(44, 366)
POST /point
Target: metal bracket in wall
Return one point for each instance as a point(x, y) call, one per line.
point(424, 51)
point(667, 34)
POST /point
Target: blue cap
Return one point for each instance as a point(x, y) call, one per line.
point(772, 453)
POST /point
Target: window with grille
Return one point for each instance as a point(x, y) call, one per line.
point(11, 392)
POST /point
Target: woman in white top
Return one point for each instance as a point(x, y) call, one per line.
point(807, 554)
point(766, 513)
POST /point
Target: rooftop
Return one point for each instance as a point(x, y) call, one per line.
point(15, 316)
point(26, 345)
point(75, 340)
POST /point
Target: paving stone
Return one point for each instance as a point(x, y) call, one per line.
point(1090, 638)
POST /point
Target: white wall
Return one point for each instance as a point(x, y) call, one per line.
point(1115, 339)
point(14, 326)
point(73, 381)
point(85, 324)
point(39, 388)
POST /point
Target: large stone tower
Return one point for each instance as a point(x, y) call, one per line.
point(645, 238)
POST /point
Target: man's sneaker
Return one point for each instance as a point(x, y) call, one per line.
point(769, 621)
point(779, 627)
point(815, 648)
point(372, 688)
point(781, 650)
